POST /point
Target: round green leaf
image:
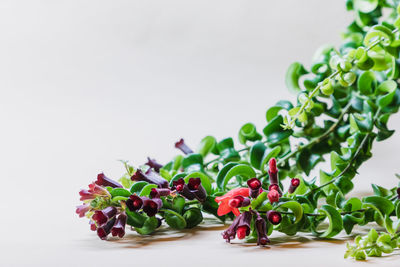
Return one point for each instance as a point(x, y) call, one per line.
point(174, 219)
point(295, 207)
point(335, 222)
point(205, 180)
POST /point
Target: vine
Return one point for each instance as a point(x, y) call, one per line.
point(343, 105)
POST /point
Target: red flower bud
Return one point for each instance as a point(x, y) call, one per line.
point(105, 229)
point(134, 203)
point(272, 165)
point(183, 189)
point(273, 172)
point(294, 183)
point(119, 226)
point(152, 163)
point(241, 231)
point(274, 217)
point(102, 216)
point(93, 226)
point(239, 201)
point(197, 189)
point(183, 147)
point(104, 181)
point(273, 196)
point(150, 176)
point(254, 187)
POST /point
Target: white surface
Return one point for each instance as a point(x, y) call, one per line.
point(85, 83)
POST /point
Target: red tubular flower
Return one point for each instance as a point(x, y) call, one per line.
point(93, 226)
point(134, 203)
point(239, 201)
point(151, 206)
point(82, 209)
point(159, 192)
point(273, 196)
point(183, 147)
point(243, 227)
point(183, 189)
point(86, 195)
point(254, 187)
point(197, 189)
point(119, 227)
point(97, 190)
point(262, 238)
point(230, 233)
point(152, 163)
point(105, 181)
point(150, 176)
point(223, 201)
point(102, 216)
point(294, 183)
point(273, 171)
point(105, 229)
point(274, 217)
point(275, 187)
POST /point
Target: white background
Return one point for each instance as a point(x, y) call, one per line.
point(85, 83)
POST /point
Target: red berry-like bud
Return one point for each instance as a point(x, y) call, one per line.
point(294, 183)
point(272, 165)
point(134, 203)
point(254, 187)
point(183, 147)
point(274, 187)
point(239, 201)
point(93, 226)
point(241, 231)
point(273, 196)
point(274, 217)
point(179, 187)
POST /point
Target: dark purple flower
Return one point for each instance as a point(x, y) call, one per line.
point(183, 189)
point(119, 226)
point(105, 229)
point(254, 187)
point(197, 189)
point(105, 181)
point(159, 192)
point(134, 203)
point(273, 172)
point(239, 201)
point(398, 192)
point(183, 147)
point(151, 206)
point(150, 176)
point(152, 163)
point(230, 233)
point(260, 225)
point(294, 183)
point(102, 216)
point(274, 217)
point(82, 209)
point(273, 196)
point(243, 227)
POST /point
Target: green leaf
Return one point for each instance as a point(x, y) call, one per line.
point(222, 173)
point(272, 112)
point(365, 6)
point(274, 132)
point(257, 154)
point(207, 144)
point(174, 219)
point(147, 189)
point(116, 192)
point(193, 163)
point(335, 222)
point(293, 74)
point(382, 204)
point(349, 220)
point(388, 89)
point(178, 203)
point(135, 219)
point(205, 180)
point(149, 226)
point(295, 207)
point(255, 203)
point(344, 184)
point(227, 151)
point(248, 132)
point(366, 83)
point(245, 171)
point(380, 191)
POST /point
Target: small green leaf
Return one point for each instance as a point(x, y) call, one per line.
point(207, 144)
point(115, 192)
point(293, 74)
point(174, 219)
point(384, 205)
point(135, 219)
point(274, 132)
point(138, 186)
point(147, 189)
point(295, 207)
point(245, 171)
point(335, 222)
point(193, 217)
point(149, 226)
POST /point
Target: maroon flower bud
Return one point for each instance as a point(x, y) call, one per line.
point(197, 189)
point(86, 195)
point(97, 190)
point(254, 187)
point(104, 181)
point(275, 187)
point(134, 203)
point(151, 206)
point(93, 226)
point(230, 233)
point(183, 189)
point(273, 196)
point(150, 176)
point(82, 209)
point(159, 192)
point(294, 183)
point(262, 238)
point(105, 229)
point(243, 227)
point(239, 201)
point(102, 216)
point(273, 172)
point(274, 217)
point(152, 163)
point(183, 147)
point(119, 226)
